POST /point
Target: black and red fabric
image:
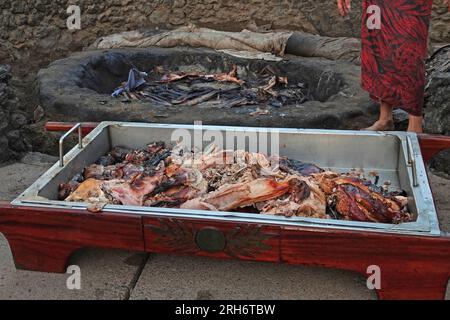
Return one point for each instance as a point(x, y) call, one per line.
point(393, 56)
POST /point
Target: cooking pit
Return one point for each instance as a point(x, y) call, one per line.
point(183, 85)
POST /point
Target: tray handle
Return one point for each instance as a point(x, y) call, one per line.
point(412, 161)
point(68, 133)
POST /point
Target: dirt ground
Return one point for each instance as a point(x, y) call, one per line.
point(116, 274)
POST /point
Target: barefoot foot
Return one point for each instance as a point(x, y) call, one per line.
point(415, 124)
point(381, 125)
point(415, 129)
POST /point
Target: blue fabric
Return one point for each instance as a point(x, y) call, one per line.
point(135, 80)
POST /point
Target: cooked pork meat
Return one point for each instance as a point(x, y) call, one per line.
point(156, 147)
point(227, 180)
point(299, 190)
point(107, 160)
point(181, 177)
point(228, 174)
point(133, 192)
point(286, 207)
point(305, 199)
point(239, 195)
point(177, 195)
point(118, 171)
point(119, 153)
point(89, 191)
point(223, 157)
point(66, 189)
point(355, 200)
point(94, 171)
point(129, 171)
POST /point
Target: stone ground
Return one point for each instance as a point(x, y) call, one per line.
point(108, 274)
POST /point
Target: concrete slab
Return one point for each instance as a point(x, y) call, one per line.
point(172, 277)
point(441, 192)
point(18, 176)
point(105, 274)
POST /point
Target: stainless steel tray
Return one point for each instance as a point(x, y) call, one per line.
point(395, 156)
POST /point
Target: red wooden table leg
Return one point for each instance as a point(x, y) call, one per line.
point(411, 267)
point(43, 239)
point(408, 283)
point(44, 256)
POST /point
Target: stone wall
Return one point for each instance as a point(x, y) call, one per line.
point(5, 95)
point(437, 112)
point(12, 119)
point(39, 26)
point(34, 33)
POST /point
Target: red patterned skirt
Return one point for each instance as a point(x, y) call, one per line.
point(393, 56)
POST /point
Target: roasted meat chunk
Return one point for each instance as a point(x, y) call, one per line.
point(305, 199)
point(66, 189)
point(355, 200)
point(234, 196)
point(89, 191)
point(133, 192)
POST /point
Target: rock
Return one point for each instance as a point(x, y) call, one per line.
point(38, 114)
point(12, 120)
point(17, 142)
point(35, 19)
point(4, 149)
point(19, 7)
point(48, 35)
point(18, 120)
point(401, 119)
point(42, 140)
point(437, 107)
point(5, 72)
point(4, 93)
point(4, 120)
point(441, 163)
point(3, 51)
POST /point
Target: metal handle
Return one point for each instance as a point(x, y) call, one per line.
point(68, 133)
point(412, 161)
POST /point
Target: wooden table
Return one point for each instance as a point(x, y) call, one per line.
point(412, 267)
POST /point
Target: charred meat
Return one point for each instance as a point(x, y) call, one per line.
point(355, 199)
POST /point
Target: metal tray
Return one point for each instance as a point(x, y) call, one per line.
point(395, 156)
